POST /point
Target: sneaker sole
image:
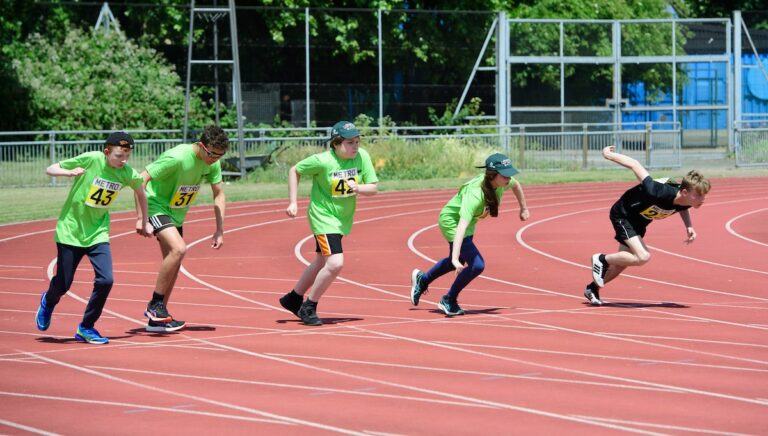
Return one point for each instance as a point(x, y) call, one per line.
point(163, 329)
point(593, 301)
point(414, 278)
point(79, 338)
point(156, 319)
point(596, 267)
point(448, 312)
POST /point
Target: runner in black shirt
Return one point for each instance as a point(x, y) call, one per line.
point(631, 214)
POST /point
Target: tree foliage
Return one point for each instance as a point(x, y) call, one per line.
point(98, 81)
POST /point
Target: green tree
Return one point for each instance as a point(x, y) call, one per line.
point(97, 81)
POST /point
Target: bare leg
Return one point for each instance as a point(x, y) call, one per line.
point(309, 274)
point(173, 249)
point(326, 276)
point(634, 253)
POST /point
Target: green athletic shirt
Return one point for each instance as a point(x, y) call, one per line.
point(468, 203)
point(84, 219)
point(331, 202)
point(176, 177)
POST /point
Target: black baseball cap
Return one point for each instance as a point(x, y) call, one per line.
point(120, 139)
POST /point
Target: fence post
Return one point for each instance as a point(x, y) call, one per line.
point(521, 148)
point(52, 152)
point(648, 144)
point(584, 146)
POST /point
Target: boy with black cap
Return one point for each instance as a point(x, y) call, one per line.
point(173, 182)
point(338, 175)
point(83, 227)
point(475, 200)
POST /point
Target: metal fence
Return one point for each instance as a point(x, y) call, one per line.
point(752, 143)
point(24, 156)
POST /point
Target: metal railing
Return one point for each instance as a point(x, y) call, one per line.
point(24, 156)
point(751, 139)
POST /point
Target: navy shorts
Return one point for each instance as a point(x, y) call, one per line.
point(328, 244)
point(160, 222)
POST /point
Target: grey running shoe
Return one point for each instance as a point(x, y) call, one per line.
point(157, 312)
point(308, 313)
point(417, 288)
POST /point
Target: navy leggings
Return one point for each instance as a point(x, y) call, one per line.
point(468, 255)
point(69, 257)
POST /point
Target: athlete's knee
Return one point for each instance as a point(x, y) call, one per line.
point(477, 266)
point(334, 264)
point(643, 257)
point(104, 282)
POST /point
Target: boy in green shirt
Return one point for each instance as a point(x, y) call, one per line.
point(172, 183)
point(475, 200)
point(83, 227)
point(338, 175)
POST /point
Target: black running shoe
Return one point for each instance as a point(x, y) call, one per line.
point(292, 302)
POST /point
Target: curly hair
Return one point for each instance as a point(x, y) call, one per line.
point(215, 136)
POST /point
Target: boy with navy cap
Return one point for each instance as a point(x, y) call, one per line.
point(475, 200)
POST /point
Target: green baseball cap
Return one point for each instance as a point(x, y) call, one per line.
point(501, 164)
point(344, 129)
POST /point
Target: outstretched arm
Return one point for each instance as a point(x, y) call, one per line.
point(517, 189)
point(142, 224)
point(625, 161)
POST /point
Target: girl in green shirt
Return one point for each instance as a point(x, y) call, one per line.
point(475, 200)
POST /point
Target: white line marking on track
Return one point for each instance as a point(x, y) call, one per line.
point(25, 427)
point(729, 227)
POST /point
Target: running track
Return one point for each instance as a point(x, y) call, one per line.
point(681, 348)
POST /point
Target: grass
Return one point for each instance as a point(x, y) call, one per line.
point(25, 204)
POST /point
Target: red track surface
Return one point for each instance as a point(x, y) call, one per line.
point(682, 347)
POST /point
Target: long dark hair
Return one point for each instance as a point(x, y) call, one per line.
point(491, 200)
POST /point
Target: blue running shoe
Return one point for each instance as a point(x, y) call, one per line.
point(44, 313)
point(450, 306)
point(92, 336)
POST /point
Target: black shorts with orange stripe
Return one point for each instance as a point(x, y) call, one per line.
point(328, 244)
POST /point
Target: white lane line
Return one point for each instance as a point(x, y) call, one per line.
point(729, 227)
point(18, 426)
point(250, 410)
point(141, 406)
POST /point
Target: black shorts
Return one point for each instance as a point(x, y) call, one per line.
point(328, 244)
point(160, 222)
point(626, 229)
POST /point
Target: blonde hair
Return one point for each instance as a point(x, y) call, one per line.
point(695, 180)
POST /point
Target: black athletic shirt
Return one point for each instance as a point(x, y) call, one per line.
point(648, 201)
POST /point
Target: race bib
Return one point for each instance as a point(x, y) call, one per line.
point(102, 193)
point(339, 185)
point(184, 196)
point(656, 213)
